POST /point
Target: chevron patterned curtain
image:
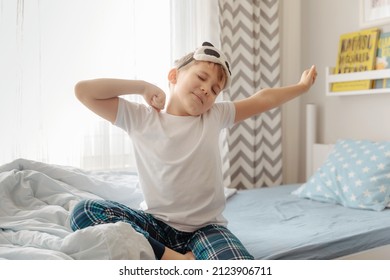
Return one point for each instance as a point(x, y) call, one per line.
point(252, 152)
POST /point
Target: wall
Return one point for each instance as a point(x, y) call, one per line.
point(321, 24)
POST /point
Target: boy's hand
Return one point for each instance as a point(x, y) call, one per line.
point(308, 77)
point(154, 96)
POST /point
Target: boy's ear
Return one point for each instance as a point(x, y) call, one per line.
point(172, 75)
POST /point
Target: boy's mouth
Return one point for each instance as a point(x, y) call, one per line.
point(200, 99)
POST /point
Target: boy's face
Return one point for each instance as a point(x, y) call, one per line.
point(197, 87)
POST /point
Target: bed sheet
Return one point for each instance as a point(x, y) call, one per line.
point(36, 200)
point(273, 224)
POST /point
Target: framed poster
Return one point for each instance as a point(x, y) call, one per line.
point(374, 13)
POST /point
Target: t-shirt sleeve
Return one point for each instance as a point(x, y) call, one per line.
point(130, 115)
point(225, 112)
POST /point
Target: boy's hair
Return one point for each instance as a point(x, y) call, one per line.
point(207, 53)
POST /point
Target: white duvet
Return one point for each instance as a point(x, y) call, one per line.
point(35, 203)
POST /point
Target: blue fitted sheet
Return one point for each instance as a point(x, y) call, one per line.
point(273, 224)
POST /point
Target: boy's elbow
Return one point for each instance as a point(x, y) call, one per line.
point(78, 90)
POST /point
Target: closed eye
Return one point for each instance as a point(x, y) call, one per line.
point(216, 90)
point(202, 78)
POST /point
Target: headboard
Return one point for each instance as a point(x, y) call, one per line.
point(315, 153)
point(320, 153)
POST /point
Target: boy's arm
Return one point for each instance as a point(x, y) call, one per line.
point(101, 95)
point(270, 98)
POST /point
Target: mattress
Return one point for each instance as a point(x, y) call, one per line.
point(273, 224)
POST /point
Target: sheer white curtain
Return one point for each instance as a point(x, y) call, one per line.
point(46, 46)
point(193, 22)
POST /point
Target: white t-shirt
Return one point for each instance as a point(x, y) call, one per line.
point(179, 163)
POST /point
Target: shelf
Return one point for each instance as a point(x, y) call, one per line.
point(367, 75)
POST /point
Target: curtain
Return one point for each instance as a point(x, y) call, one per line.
point(250, 38)
point(192, 23)
point(46, 46)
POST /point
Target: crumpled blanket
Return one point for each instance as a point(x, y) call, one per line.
point(36, 200)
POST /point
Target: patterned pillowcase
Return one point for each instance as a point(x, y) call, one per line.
point(356, 174)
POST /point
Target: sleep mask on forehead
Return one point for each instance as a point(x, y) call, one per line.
point(207, 52)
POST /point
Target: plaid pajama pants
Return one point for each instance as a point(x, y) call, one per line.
point(212, 242)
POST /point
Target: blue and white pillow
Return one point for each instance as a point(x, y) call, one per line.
point(356, 174)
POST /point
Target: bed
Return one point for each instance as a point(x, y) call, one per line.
point(278, 225)
point(273, 223)
point(341, 212)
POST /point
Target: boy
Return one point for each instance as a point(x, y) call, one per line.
point(177, 153)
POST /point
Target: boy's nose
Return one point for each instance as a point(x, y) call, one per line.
point(204, 90)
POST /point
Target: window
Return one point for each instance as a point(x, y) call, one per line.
point(47, 46)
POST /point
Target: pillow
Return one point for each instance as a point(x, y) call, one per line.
point(356, 174)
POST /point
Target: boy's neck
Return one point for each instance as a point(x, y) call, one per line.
point(171, 109)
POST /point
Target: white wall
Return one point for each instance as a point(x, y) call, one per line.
point(321, 24)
